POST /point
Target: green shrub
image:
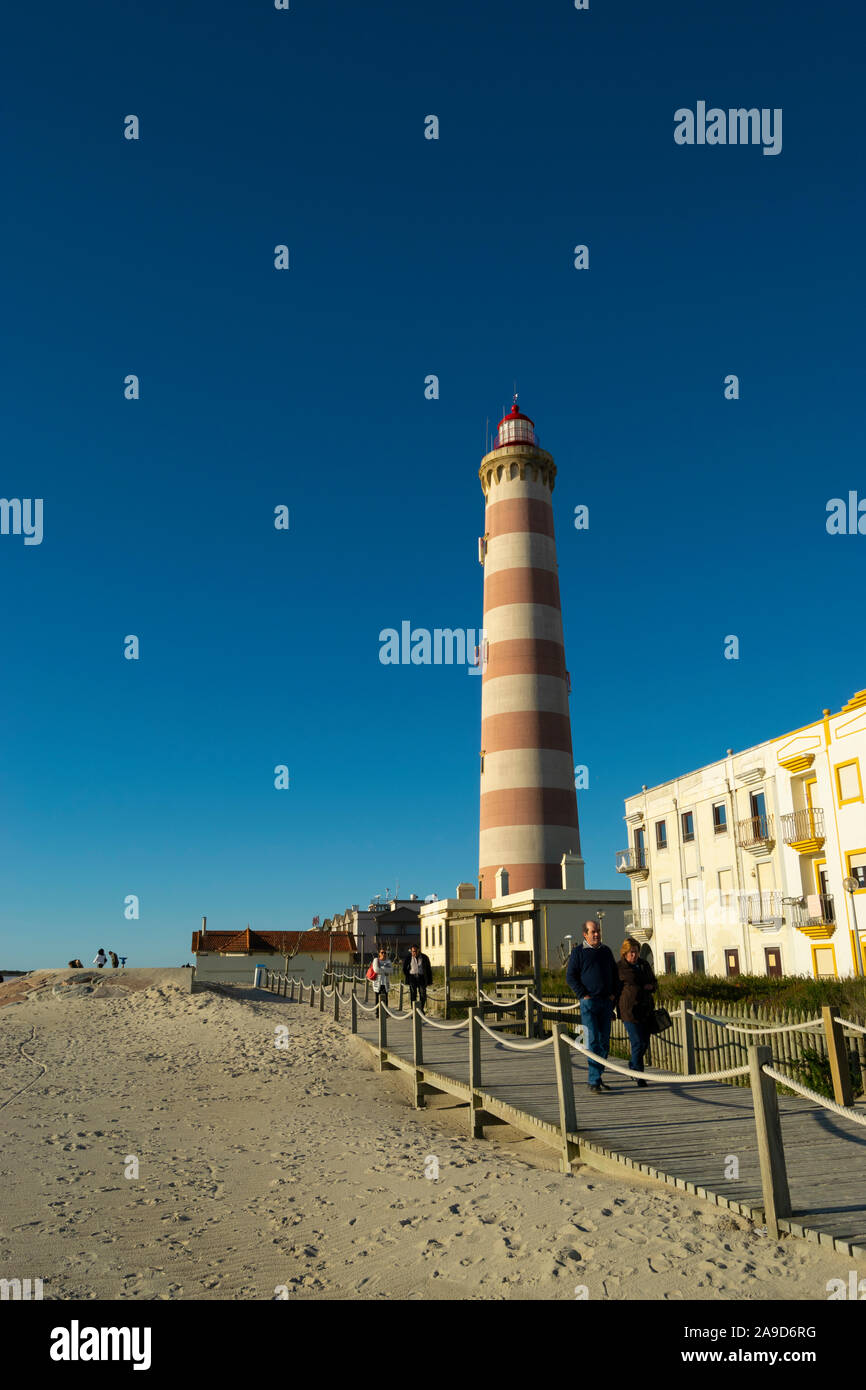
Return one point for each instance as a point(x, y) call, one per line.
point(782, 992)
point(813, 1071)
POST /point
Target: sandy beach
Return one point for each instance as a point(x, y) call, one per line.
point(263, 1169)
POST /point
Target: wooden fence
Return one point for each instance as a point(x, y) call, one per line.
point(715, 1048)
point(345, 1005)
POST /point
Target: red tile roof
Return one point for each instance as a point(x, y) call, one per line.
point(282, 942)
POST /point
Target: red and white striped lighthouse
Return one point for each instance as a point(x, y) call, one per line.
point(528, 803)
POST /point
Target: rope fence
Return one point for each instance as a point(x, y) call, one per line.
point(666, 1077)
point(756, 1028)
point(845, 1111)
point(757, 1070)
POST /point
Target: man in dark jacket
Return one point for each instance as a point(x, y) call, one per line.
point(418, 974)
point(593, 976)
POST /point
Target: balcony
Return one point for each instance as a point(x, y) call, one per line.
point(632, 861)
point(804, 830)
point(815, 916)
point(756, 834)
point(763, 910)
point(639, 923)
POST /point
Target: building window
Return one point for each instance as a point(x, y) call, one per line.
point(520, 931)
point(688, 821)
point(426, 936)
point(698, 962)
point(732, 962)
point(773, 960)
point(510, 933)
point(661, 834)
point(666, 901)
point(670, 963)
point(694, 898)
point(440, 933)
point(849, 785)
point(856, 862)
point(720, 818)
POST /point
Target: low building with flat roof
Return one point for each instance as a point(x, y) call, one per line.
point(229, 957)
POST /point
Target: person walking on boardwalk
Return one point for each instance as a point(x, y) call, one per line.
point(382, 968)
point(592, 975)
point(418, 974)
point(100, 958)
point(635, 1003)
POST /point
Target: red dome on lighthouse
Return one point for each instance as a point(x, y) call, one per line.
point(516, 428)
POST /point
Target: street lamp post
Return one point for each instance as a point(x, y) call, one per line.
point(851, 886)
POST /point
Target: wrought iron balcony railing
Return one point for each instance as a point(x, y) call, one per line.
point(760, 907)
point(800, 826)
point(638, 919)
point(817, 911)
point(632, 861)
point(754, 832)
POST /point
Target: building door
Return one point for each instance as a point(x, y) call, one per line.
point(773, 958)
point(822, 879)
point(732, 962)
point(644, 916)
point(640, 849)
point(809, 789)
point(759, 815)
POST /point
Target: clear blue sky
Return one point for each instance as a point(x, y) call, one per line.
point(408, 257)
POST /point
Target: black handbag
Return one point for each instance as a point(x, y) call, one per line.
point(660, 1021)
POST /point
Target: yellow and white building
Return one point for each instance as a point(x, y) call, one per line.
point(559, 914)
point(742, 866)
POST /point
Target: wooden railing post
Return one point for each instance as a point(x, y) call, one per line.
point(837, 1051)
point(417, 1058)
point(336, 1005)
point(366, 990)
point(400, 1004)
point(292, 991)
point(447, 998)
point(354, 1009)
point(312, 994)
point(771, 1153)
point(688, 1039)
point(476, 1114)
point(383, 1032)
point(565, 1096)
point(322, 997)
point(527, 1014)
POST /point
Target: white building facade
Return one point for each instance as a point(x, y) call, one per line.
point(756, 864)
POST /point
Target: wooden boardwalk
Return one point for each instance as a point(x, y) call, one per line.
point(684, 1135)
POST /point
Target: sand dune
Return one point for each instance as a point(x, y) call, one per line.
point(262, 1169)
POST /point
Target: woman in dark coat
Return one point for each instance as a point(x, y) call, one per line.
point(635, 1003)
